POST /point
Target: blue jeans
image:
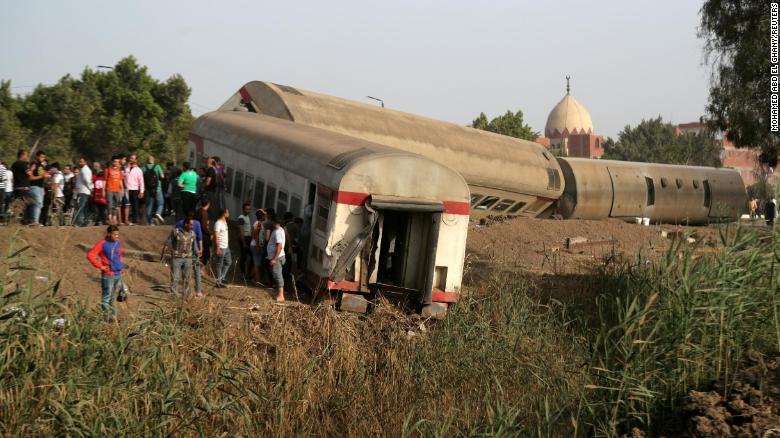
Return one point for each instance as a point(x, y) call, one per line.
point(179, 266)
point(109, 284)
point(155, 203)
point(80, 217)
point(196, 268)
point(36, 203)
point(223, 264)
point(276, 272)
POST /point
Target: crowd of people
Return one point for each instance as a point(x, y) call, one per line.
point(768, 208)
point(119, 191)
point(268, 246)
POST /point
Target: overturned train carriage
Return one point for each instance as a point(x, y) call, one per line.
point(596, 189)
point(376, 219)
point(508, 176)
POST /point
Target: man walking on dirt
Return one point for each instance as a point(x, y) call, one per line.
point(153, 182)
point(221, 244)
point(114, 186)
point(134, 182)
point(196, 254)
point(36, 174)
point(83, 190)
point(275, 254)
point(106, 255)
point(188, 183)
point(181, 241)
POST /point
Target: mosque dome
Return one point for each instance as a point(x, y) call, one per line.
point(568, 117)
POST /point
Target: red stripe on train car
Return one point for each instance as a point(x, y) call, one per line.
point(455, 207)
point(440, 296)
point(349, 198)
point(356, 198)
point(245, 95)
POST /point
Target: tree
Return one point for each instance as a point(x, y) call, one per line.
point(736, 35)
point(654, 141)
point(509, 124)
point(12, 134)
point(99, 114)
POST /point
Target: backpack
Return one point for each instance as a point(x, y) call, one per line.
point(151, 178)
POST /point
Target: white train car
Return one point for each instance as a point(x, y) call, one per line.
point(381, 220)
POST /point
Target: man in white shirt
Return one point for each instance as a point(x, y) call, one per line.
point(222, 248)
point(82, 190)
point(275, 255)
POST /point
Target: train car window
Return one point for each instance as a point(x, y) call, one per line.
point(651, 190)
point(679, 183)
point(707, 194)
point(517, 207)
point(249, 184)
point(281, 203)
point(295, 205)
point(503, 205)
point(474, 198)
point(664, 182)
point(696, 184)
point(257, 201)
point(238, 190)
point(270, 196)
point(229, 179)
point(323, 210)
point(487, 203)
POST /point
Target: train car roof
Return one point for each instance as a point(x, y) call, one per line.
point(323, 155)
point(482, 157)
point(659, 166)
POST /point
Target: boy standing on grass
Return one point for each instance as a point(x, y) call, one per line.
point(107, 256)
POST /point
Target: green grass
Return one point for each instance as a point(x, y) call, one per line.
point(503, 363)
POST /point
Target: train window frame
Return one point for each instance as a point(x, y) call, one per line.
point(517, 207)
point(678, 182)
point(651, 190)
point(296, 203)
point(707, 194)
point(503, 205)
point(279, 210)
point(249, 186)
point(229, 180)
point(664, 182)
point(696, 184)
point(322, 209)
point(259, 189)
point(475, 197)
point(238, 187)
point(487, 203)
point(270, 196)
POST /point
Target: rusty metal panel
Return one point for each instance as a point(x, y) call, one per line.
point(630, 192)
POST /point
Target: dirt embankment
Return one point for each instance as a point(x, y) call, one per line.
point(541, 246)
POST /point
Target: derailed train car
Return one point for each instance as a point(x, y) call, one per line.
point(596, 189)
point(377, 219)
point(506, 175)
point(514, 177)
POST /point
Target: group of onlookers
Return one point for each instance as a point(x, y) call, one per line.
point(768, 209)
point(120, 191)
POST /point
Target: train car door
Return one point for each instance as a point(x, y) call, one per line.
point(629, 192)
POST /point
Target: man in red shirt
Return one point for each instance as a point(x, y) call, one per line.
point(114, 185)
point(106, 255)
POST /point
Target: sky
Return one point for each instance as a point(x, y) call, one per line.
point(449, 60)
